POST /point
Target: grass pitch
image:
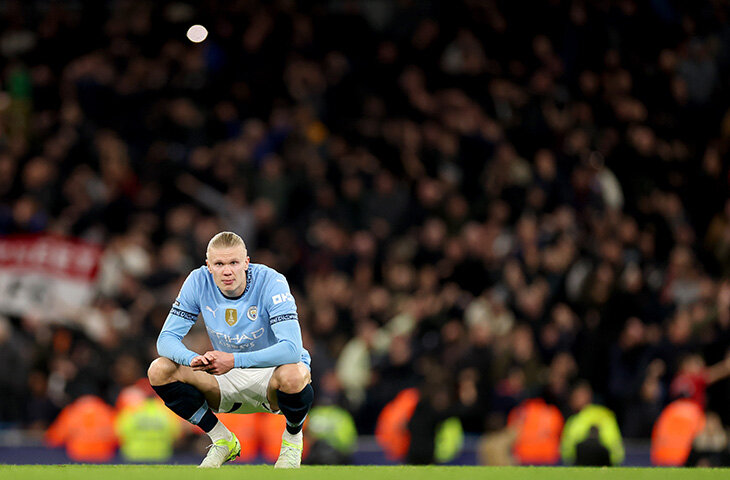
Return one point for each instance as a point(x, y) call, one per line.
point(265, 472)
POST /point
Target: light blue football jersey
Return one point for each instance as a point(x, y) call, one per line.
point(260, 327)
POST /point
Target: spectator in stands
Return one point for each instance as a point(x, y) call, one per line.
point(427, 195)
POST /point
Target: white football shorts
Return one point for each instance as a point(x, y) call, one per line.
point(243, 390)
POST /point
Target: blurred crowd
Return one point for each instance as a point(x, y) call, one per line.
point(488, 200)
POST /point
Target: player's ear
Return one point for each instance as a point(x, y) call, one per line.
point(207, 265)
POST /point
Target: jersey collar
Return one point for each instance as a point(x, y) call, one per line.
point(249, 276)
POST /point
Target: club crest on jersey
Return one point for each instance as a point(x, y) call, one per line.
point(231, 316)
point(253, 313)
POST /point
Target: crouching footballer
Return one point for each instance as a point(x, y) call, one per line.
point(258, 363)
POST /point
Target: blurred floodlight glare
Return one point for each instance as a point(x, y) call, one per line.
point(197, 33)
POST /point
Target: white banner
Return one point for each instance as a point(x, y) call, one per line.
point(47, 276)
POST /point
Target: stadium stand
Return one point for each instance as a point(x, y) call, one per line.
point(464, 194)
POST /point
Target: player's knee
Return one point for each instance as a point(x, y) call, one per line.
point(161, 371)
point(291, 379)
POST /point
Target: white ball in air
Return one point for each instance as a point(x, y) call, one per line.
point(197, 33)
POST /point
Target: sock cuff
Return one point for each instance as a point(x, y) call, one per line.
point(295, 407)
point(167, 388)
point(188, 403)
point(306, 395)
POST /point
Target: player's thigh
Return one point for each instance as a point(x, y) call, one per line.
point(205, 382)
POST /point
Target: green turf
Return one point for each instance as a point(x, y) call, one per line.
point(263, 472)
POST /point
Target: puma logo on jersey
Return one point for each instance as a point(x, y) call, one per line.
point(210, 310)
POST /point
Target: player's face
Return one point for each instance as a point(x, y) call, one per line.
point(228, 267)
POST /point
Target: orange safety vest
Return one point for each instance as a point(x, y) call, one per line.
point(538, 427)
point(674, 432)
point(245, 428)
point(86, 427)
point(391, 429)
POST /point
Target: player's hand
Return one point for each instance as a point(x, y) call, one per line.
point(200, 363)
point(218, 362)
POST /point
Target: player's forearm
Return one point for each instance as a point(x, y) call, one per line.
point(281, 353)
point(170, 345)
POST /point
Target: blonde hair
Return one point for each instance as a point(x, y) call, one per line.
point(225, 240)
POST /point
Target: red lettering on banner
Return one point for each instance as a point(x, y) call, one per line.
point(59, 256)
